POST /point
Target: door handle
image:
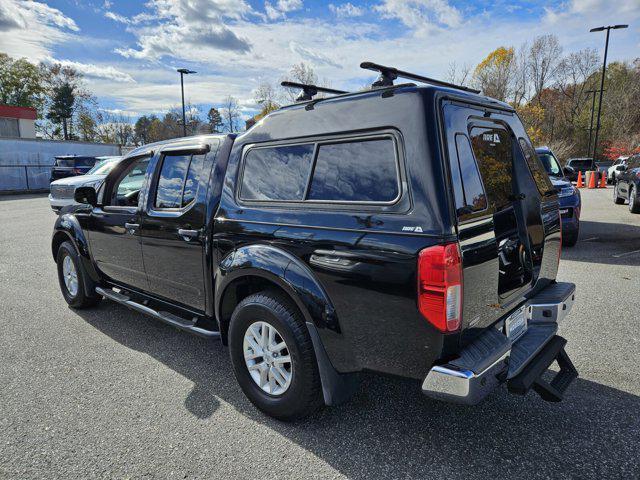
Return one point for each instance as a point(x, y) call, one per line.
point(188, 235)
point(131, 227)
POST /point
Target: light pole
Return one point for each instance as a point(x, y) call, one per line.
point(593, 108)
point(604, 70)
point(183, 72)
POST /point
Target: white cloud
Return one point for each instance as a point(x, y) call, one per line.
point(29, 29)
point(280, 9)
point(97, 71)
point(421, 14)
point(188, 25)
point(346, 10)
point(116, 17)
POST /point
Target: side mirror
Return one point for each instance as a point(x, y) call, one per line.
point(86, 195)
point(568, 170)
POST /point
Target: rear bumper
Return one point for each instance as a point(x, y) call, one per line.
point(493, 359)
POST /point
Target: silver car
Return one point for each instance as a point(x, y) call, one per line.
point(62, 191)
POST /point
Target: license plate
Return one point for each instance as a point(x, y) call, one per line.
point(516, 324)
point(563, 211)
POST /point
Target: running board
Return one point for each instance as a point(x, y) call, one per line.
point(165, 317)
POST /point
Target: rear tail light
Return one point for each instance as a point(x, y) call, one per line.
point(440, 286)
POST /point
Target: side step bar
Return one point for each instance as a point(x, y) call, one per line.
point(165, 317)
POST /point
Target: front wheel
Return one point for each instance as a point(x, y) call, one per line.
point(71, 278)
point(634, 202)
point(273, 357)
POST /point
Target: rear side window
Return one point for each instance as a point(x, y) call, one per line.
point(341, 171)
point(492, 149)
point(277, 173)
point(474, 196)
point(540, 176)
point(355, 172)
point(178, 180)
point(85, 162)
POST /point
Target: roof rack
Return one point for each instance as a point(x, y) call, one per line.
point(309, 91)
point(389, 74)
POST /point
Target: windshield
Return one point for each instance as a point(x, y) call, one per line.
point(103, 167)
point(551, 165)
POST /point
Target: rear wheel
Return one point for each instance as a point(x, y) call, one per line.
point(616, 197)
point(273, 358)
point(71, 277)
point(634, 202)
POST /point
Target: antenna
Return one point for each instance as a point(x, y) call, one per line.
point(309, 91)
point(389, 74)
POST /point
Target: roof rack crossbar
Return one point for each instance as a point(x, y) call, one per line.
point(389, 74)
point(309, 91)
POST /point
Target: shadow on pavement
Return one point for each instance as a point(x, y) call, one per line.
point(390, 430)
point(600, 241)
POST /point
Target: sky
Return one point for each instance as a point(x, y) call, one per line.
point(129, 50)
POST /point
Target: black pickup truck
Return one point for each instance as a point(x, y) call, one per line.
point(407, 229)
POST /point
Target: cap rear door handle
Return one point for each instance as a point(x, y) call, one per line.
point(188, 235)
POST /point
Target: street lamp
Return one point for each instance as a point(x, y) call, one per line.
point(183, 72)
point(604, 70)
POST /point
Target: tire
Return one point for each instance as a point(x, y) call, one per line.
point(303, 395)
point(634, 202)
point(76, 297)
point(617, 199)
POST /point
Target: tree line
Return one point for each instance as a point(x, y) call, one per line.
point(555, 95)
point(67, 110)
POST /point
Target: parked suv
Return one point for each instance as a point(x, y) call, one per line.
point(408, 230)
point(577, 165)
point(70, 165)
point(569, 196)
point(628, 184)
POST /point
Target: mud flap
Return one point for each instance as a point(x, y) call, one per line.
point(531, 376)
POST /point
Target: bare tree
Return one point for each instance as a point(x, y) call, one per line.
point(267, 97)
point(543, 61)
point(458, 75)
point(301, 73)
point(230, 112)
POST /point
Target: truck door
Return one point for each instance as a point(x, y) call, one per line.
point(492, 222)
point(173, 221)
point(114, 227)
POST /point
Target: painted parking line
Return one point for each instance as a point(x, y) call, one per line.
point(625, 254)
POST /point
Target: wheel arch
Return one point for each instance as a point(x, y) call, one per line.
point(254, 268)
point(67, 228)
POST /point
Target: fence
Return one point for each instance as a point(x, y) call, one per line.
point(25, 164)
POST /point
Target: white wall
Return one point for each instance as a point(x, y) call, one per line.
point(27, 128)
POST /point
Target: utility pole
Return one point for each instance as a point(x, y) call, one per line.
point(604, 71)
point(183, 72)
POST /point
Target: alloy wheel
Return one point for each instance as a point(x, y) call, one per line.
point(267, 358)
point(70, 276)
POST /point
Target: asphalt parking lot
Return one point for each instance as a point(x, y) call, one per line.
point(110, 393)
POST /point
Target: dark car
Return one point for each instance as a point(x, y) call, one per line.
point(407, 230)
point(71, 165)
point(569, 196)
point(577, 165)
point(628, 184)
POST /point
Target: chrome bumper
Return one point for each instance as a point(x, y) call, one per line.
point(493, 359)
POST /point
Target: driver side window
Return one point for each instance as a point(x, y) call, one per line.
point(127, 191)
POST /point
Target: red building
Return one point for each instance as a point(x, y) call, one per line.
point(17, 122)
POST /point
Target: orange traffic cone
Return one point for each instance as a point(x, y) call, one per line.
point(603, 180)
point(580, 183)
point(592, 180)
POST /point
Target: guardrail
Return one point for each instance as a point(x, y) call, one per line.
point(24, 178)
